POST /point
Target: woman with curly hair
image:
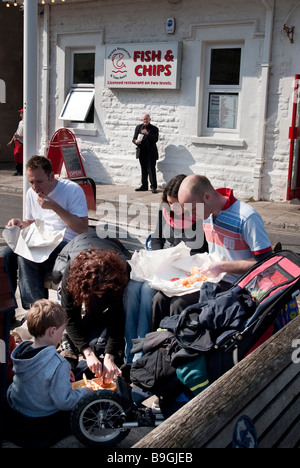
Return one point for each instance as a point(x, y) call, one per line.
point(96, 280)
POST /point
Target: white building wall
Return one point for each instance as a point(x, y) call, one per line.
point(109, 155)
point(285, 64)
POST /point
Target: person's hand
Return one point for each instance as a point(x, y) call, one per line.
point(212, 270)
point(14, 222)
point(45, 202)
point(144, 131)
point(93, 362)
point(89, 389)
point(110, 369)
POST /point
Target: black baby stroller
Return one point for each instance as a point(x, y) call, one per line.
point(203, 342)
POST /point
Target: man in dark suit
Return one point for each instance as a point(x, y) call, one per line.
point(145, 139)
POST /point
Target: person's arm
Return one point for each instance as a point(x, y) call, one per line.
point(136, 132)
point(63, 396)
point(74, 324)
point(240, 267)
point(77, 224)
point(257, 239)
point(92, 362)
point(113, 320)
point(110, 369)
point(152, 134)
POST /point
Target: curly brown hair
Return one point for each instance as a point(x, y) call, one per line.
point(97, 272)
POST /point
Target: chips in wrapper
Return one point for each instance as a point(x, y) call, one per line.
point(96, 384)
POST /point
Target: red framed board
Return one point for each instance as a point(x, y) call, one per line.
point(293, 184)
point(63, 150)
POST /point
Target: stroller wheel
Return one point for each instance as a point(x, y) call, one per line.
point(97, 419)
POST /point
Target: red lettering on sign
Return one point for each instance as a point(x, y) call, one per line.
point(153, 70)
point(156, 55)
point(168, 70)
point(136, 55)
point(137, 70)
point(147, 55)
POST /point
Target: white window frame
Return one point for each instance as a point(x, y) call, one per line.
point(248, 35)
point(220, 89)
point(77, 104)
point(68, 44)
point(81, 51)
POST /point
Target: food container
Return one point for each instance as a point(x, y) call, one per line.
point(96, 384)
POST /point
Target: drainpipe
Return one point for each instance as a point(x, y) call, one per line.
point(45, 80)
point(30, 86)
point(262, 121)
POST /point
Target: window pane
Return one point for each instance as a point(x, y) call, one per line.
point(225, 67)
point(222, 110)
point(77, 105)
point(84, 68)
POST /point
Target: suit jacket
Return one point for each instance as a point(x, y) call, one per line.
point(148, 146)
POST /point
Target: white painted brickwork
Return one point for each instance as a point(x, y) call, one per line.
point(110, 154)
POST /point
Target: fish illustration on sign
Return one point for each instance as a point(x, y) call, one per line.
point(119, 65)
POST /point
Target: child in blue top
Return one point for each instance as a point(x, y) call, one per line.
point(41, 396)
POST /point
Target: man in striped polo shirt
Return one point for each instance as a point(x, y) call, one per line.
point(235, 234)
point(234, 231)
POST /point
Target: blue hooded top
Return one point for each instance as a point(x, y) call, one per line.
point(41, 384)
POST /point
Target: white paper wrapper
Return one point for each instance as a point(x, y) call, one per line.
point(158, 267)
point(34, 242)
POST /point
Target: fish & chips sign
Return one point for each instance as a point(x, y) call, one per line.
point(153, 65)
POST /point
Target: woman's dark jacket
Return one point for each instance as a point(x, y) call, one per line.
point(106, 312)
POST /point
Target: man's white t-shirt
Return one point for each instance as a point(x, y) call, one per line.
point(69, 196)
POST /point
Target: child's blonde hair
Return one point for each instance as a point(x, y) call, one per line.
point(43, 315)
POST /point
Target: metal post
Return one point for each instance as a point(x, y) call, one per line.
point(30, 86)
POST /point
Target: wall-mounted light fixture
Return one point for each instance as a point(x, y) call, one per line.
point(289, 32)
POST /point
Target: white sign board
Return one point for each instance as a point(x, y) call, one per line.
point(223, 110)
point(152, 65)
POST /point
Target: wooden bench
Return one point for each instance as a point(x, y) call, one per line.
point(264, 386)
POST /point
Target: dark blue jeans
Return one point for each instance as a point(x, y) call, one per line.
point(31, 275)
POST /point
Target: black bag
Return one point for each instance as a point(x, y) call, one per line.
point(153, 370)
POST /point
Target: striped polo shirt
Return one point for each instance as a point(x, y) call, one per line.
point(237, 233)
